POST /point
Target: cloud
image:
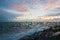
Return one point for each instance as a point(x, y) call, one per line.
point(53, 12)
point(29, 8)
point(4, 16)
point(51, 4)
point(12, 11)
point(20, 7)
point(15, 12)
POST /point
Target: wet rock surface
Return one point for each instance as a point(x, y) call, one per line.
point(53, 33)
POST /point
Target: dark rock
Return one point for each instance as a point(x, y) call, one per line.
point(45, 35)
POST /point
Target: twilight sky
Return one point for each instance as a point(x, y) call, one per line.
point(18, 10)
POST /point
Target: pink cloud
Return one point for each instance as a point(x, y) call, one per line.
point(49, 1)
point(51, 6)
point(20, 7)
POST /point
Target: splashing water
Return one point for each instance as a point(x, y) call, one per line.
point(25, 33)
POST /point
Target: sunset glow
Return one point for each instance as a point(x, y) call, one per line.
point(29, 9)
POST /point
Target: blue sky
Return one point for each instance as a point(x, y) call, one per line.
point(18, 10)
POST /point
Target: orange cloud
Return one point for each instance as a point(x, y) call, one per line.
point(47, 18)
